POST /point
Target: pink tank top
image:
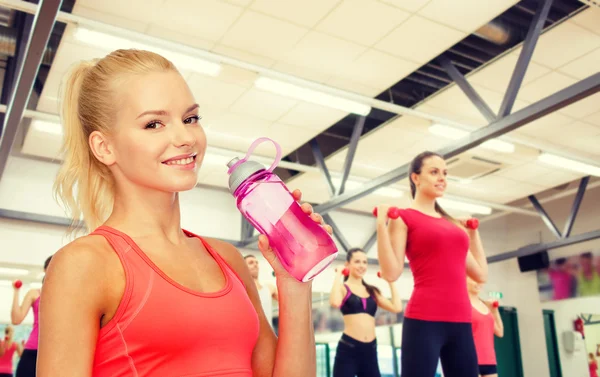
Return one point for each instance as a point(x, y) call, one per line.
point(32, 342)
point(483, 335)
point(162, 328)
point(6, 361)
point(437, 253)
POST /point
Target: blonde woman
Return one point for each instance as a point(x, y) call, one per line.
point(133, 141)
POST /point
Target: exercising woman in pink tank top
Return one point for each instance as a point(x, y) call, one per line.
point(133, 141)
point(27, 362)
point(486, 323)
point(441, 251)
point(8, 347)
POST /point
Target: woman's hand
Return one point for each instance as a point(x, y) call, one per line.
point(490, 305)
point(382, 214)
point(267, 251)
point(463, 223)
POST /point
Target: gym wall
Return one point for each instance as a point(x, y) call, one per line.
point(521, 289)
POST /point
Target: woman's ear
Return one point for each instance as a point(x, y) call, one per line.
point(101, 148)
point(415, 179)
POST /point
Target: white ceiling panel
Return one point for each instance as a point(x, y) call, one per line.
point(362, 21)
point(556, 47)
point(378, 69)
point(237, 76)
point(525, 173)
point(306, 12)
point(465, 15)
point(234, 131)
point(211, 18)
point(584, 66)
point(353, 86)
point(323, 53)
point(419, 39)
point(589, 19)
point(262, 105)
point(244, 56)
point(557, 177)
point(583, 107)
point(427, 108)
point(409, 5)
point(548, 124)
point(312, 116)
point(241, 3)
point(593, 119)
point(545, 86)
point(289, 137)
point(359, 168)
point(160, 32)
point(263, 35)
point(490, 188)
point(133, 15)
point(214, 93)
point(312, 74)
point(589, 145)
point(496, 75)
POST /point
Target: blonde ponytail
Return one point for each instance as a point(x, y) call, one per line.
point(84, 185)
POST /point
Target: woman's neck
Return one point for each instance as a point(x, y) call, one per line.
point(146, 213)
point(424, 203)
point(353, 280)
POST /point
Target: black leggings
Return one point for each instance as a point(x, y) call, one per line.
point(355, 359)
point(27, 364)
point(425, 342)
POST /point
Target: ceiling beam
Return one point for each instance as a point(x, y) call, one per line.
point(467, 89)
point(535, 29)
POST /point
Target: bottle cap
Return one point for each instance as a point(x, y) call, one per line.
point(242, 172)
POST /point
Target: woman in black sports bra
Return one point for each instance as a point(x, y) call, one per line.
point(356, 353)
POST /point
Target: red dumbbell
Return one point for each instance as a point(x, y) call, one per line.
point(472, 223)
point(345, 272)
point(495, 304)
point(18, 284)
point(393, 212)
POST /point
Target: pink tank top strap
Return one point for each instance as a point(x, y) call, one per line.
point(128, 258)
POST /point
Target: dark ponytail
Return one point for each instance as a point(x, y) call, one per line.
point(415, 167)
point(371, 289)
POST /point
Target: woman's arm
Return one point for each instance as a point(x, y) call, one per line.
point(498, 325)
point(293, 354)
point(477, 267)
point(338, 291)
point(79, 286)
point(391, 244)
point(19, 312)
point(2, 347)
point(394, 305)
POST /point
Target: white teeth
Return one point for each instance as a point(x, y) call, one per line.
point(183, 161)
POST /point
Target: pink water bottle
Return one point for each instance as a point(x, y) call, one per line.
point(302, 246)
